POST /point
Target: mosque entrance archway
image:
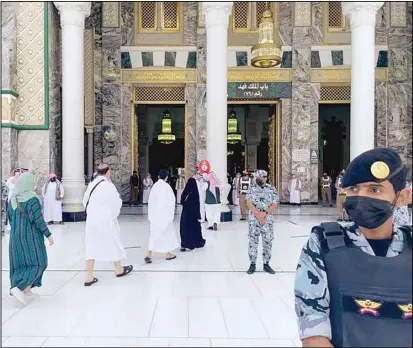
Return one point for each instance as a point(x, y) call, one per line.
point(259, 127)
point(333, 140)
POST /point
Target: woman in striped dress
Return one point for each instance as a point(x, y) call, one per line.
point(27, 250)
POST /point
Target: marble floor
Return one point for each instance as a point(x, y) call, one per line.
point(202, 298)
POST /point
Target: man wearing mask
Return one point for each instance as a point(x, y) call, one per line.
point(245, 186)
point(135, 183)
point(353, 284)
point(326, 189)
point(294, 189)
point(262, 200)
point(341, 195)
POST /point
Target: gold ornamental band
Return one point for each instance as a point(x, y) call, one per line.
point(342, 75)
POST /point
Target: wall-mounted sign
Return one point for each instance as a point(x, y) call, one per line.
point(300, 155)
point(259, 90)
point(314, 157)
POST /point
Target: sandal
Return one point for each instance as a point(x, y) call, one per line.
point(148, 260)
point(171, 257)
point(95, 280)
point(126, 271)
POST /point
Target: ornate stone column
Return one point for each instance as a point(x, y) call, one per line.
point(72, 18)
point(216, 23)
point(363, 69)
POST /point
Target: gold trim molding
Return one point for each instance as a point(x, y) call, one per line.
point(140, 75)
point(259, 75)
point(342, 75)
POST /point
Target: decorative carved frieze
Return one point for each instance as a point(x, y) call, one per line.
point(259, 75)
point(159, 76)
point(398, 14)
point(110, 14)
point(302, 14)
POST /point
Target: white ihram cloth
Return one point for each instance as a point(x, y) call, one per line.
point(102, 237)
point(147, 185)
point(295, 188)
point(161, 213)
point(202, 187)
point(213, 214)
point(236, 183)
point(52, 207)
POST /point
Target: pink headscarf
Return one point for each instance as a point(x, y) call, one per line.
point(52, 175)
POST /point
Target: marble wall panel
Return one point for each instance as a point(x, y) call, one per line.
point(9, 154)
point(286, 129)
point(381, 25)
point(381, 114)
point(201, 56)
point(33, 153)
point(201, 129)
point(111, 144)
point(301, 65)
point(190, 21)
point(191, 155)
point(97, 144)
point(317, 12)
point(8, 45)
point(110, 96)
point(95, 18)
point(55, 102)
point(285, 17)
point(127, 19)
point(124, 186)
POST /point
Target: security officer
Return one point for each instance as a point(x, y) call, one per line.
point(262, 200)
point(245, 186)
point(351, 290)
point(326, 189)
point(341, 196)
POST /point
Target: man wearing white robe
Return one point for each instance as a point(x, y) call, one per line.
point(179, 187)
point(236, 190)
point(294, 188)
point(53, 193)
point(102, 238)
point(147, 186)
point(161, 213)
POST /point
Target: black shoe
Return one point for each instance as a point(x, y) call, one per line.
point(331, 205)
point(268, 269)
point(215, 226)
point(210, 228)
point(242, 219)
point(252, 268)
point(340, 219)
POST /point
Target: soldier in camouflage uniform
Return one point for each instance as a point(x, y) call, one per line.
point(262, 201)
point(336, 286)
point(4, 195)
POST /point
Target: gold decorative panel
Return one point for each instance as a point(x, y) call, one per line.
point(110, 14)
point(335, 93)
point(143, 75)
point(342, 75)
point(30, 70)
point(170, 15)
point(335, 15)
point(241, 15)
point(159, 94)
point(259, 75)
point(89, 81)
point(398, 14)
point(147, 15)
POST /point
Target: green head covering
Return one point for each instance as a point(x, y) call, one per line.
point(24, 189)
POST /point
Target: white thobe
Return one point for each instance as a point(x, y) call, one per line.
point(213, 214)
point(102, 237)
point(179, 187)
point(52, 207)
point(147, 185)
point(161, 213)
point(202, 187)
point(235, 189)
point(295, 187)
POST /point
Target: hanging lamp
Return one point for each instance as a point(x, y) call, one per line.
point(166, 137)
point(233, 135)
point(267, 53)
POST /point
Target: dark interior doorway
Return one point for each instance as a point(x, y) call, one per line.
point(334, 140)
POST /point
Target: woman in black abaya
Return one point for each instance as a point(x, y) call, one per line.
point(190, 226)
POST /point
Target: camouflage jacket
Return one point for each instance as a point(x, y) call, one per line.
point(311, 282)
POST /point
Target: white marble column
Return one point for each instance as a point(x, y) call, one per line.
point(362, 17)
point(216, 23)
point(72, 19)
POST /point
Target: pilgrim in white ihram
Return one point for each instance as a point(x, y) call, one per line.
point(161, 213)
point(294, 188)
point(147, 186)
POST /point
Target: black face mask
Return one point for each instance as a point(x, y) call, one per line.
point(259, 183)
point(368, 212)
point(53, 179)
